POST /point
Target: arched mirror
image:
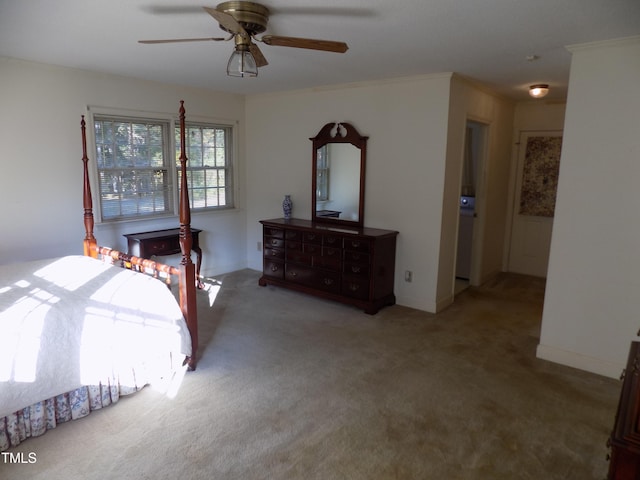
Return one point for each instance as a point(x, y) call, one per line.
point(339, 157)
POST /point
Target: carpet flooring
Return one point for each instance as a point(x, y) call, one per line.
point(293, 387)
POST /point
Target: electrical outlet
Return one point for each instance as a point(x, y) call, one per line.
point(259, 246)
point(408, 275)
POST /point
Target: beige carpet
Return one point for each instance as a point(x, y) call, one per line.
point(293, 387)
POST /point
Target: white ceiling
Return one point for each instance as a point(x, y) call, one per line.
point(486, 40)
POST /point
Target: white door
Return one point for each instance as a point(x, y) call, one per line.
point(534, 203)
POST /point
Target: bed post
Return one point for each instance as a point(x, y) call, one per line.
point(90, 243)
point(187, 268)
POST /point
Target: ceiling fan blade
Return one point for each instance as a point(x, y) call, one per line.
point(257, 55)
point(311, 44)
point(176, 40)
point(226, 21)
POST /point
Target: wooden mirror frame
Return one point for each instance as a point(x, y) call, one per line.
point(342, 133)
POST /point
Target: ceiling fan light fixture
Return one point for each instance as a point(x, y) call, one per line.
point(538, 91)
point(241, 63)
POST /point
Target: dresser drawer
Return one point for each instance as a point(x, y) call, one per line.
point(315, 238)
point(301, 274)
point(297, 256)
point(356, 257)
point(329, 263)
point(330, 252)
point(312, 249)
point(273, 268)
point(273, 242)
point(166, 246)
point(294, 245)
point(357, 244)
point(275, 253)
point(273, 232)
point(327, 281)
point(355, 287)
point(332, 241)
point(356, 269)
point(293, 235)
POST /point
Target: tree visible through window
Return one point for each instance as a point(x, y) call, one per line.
point(208, 150)
point(133, 170)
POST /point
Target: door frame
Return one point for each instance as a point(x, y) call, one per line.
point(477, 243)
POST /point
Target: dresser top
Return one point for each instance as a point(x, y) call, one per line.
point(326, 227)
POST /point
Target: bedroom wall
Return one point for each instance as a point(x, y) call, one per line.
point(592, 302)
point(407, 121)
point(41, 180)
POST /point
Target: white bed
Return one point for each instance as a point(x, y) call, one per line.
point(75, 334)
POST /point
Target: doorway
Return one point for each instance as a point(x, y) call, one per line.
point(470, 224)
point(536, 182)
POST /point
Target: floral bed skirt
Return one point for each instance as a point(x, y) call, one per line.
point(36, 419)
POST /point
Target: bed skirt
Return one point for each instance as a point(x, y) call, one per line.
point(36, 419)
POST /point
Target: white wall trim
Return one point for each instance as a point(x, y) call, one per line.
point(418, 304)
point(576, 360)
point(616, 42)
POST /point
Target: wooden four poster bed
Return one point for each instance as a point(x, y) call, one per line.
point(78, 332)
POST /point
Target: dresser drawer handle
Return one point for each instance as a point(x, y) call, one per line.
point(274, 242)
point(274, 253)
point(355, 244)
point(311, 236)
point(355, 269)
point(328, 281)
point(274, 268)
point(333, 240)
point(354, 287)
point(294, 274)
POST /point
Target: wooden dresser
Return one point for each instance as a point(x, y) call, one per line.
point(625, 438)
point(350, 265)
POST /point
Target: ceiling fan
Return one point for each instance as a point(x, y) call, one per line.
point(243, 21)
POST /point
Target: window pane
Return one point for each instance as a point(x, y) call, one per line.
point(220, 157)
point(122, 133)
point(195, 156)
point(212, 178)
point(123, 156)
point(209, 157)
point(155, 135)
point(194, 136)
point(197, 178)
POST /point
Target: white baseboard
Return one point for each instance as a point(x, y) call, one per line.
point(579, 361)
point(417, 303)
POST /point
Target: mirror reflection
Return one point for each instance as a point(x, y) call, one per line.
point(338, 181)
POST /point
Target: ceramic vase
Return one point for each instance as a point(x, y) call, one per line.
point(287, 206)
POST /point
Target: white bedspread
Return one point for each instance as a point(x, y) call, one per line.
point(75, 321)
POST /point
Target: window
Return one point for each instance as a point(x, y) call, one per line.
point(136, 177)
point(133, 168)
point(208, 150)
